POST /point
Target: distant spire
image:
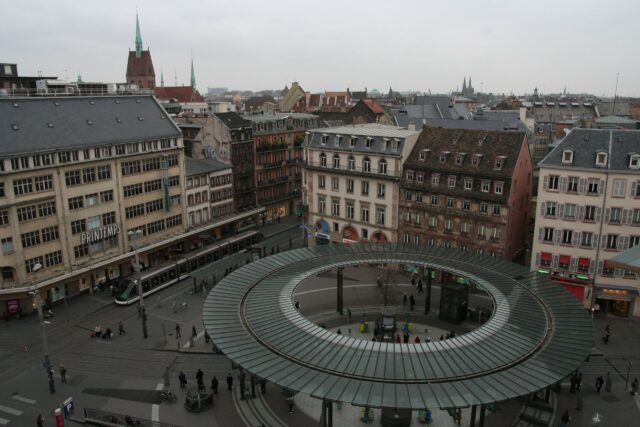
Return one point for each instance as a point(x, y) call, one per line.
point(138, 39)
point(161, 77)
point(464, 85)
point(470, 86)
point(193, 74)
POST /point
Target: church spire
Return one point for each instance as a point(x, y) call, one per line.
point(161, 77)
point(464, 85)
point(193, 75)
point(138, 38)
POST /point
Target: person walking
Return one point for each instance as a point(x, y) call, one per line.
point(194, 333)
point(578, 381)
point(420, 288)
point(412, 302)
point(607, 383)
point(229, 382)
point(599, 382)
point(564, 420)
point(207, 338)
point(607, 334)
point(182, 378)
point(214, 385)
point(121, 330)
point(40, 421)
point(404, 300)
point(175, 305)
point(63, 374)
point(178, 330)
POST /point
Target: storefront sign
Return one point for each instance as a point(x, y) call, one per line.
point(100, 234)
point(13, 306)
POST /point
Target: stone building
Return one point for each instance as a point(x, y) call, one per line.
point(140, 70)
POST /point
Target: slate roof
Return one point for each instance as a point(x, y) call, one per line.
point(277, 116)
point(46, 124)
point(179, 93)
point(377, 133)
point(490, 144)
point(233, 120)
point(199, 167)
point(622, 108)
point(442, 107)
point(138, 67)
point(585, 143)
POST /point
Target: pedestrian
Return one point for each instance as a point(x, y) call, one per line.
point(229, 382)
point(413, 282)
point(199, 374)
point(420, 289)
point(404, 300)
point(63, 374)
point(214, 385)
point(178, 330)
point(297, 305)
point(379, 281)
point(578, 381)
point(278, 219)
point(182, 378)
point(290, 400)
point(441, 337)
point(599, 382)
point(207, 338)
point(412, 302)
point(194, 333)
point(607, 333)
point(121, 330)
point(175, 305)
point(405, 338)
point(349, 313)
point(40, 421)
point(564, 420)
point(107, 334)
point(417, 340)
point(634, 387)
point(339, 332)
point(607, 383)
point(200, 383)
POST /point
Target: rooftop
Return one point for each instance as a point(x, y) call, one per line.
point(199, 167)
point(369, 129)
point(233, 120)
point(267, 117)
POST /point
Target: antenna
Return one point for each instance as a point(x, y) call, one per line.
point(175, 78)
point(615, 95)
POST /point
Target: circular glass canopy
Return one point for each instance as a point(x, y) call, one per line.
point(538, 333)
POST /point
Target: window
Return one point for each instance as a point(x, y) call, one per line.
point(482, 232)
point(350, 210)
point(78, 226)
point(419, 197)
point(335, 183)
point(634, 241)
point(367, 142)
point(485, 185)
point(26, 213)
point(91, 199)
point(366, 165)
point(634, 161)
point(593, 187)
point(7, 246)
point(417, 218)
point(567, 157)
point(443, 157)
point(72, 178)
point(434, 199)
point(612, 241)
point(172, 160)
point(448, 225)
point(321, 206)
point(382, 167)
point(619, 187)
point(130, 168)
point(352, 141)
point(4, 217)
point(30, 263)
point(351, 163)
point(494, 233)
point(466, 205)
point(106, 196)
point(554, 181)
point(451, 181)
point(2, 194)
point(44, 183)
point(76, 203)
point(450, 202)
point(423, 155)
point(364, 214)
point(335, 207)
point(635, 219)
point(564, 261)
point(406, 238)
point(31, 238)
point(496, 209)
point(321, 181)
point(635, 189)
point(324, 139)
point(153, 206)
point(50, 233)
point(498, 187)
point(498, 163)
point(586, 239)
point(572, 185)
point(381, 190)
point(468, 184)
point(615, 216)
point(408, 196)
point(601, 159)
point(365, 188)
point(570, 211)
point(47, 209)
point(349, 185)
point(174, 221)
point(151, 164)
point(132, 190)
point(551, 209)
point(336, 162)
point(567, 236)
point(174, 181)
point(132, 148)
point(590, 213)
point(420, 178)
point(410, 176)
point(108, 218)
point(88, 175)
point(365, 233)
point(22, 186)
point(435, 179)
point(104, 172)
point(155, 227)
point(484, 207)
point(380, 216)
point(548, 234)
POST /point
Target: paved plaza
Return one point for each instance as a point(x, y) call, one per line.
point(115, 375)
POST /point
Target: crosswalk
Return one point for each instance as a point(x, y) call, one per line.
point(13, 413)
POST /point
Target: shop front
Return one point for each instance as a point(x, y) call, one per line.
point(349, 235)
point(322, 232)
point(379, 237)
point(616, 300)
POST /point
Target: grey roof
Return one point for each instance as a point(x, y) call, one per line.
point(377, 133)
point(199, 167)
point(622, 108)
point(233, 120)
point(47, 124)
point(488, 125)
point(438, 107)
point(616, 120)
point(277, 116)
point(629, 259)
point(537, 334)
point(585, 143)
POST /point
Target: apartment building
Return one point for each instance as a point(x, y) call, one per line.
point(351, 181)
point(209, 191)
point(278, 159)
point(589, 211)
point(467, 189)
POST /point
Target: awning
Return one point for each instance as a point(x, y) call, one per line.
point(616, 293)
point(584, 262)
point(545, 256)
point(565, 259)
point(322, 236)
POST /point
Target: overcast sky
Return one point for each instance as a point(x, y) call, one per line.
point(505, 46)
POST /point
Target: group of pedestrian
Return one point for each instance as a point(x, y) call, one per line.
point(182, 379)
point(107, 334)
point(411, 300)
point(576, 381)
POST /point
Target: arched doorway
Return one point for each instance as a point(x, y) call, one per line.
point(379, 237)
point(349, 235)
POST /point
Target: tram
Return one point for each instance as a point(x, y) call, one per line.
point(157, 278)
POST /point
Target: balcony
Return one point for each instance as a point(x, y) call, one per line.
point(344, 170)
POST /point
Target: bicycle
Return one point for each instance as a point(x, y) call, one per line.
point(169, 396)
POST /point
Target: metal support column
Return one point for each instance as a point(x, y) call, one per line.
point(340, 292)
point(427, 300)
point(242, 389)
point(472, 423)
point(253, 386)
point(547, 394)
point(482, 409)
point(326, 418)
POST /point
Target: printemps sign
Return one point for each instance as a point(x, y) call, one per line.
point(100, 234)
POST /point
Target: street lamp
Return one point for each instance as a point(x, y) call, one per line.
point(135, 235)
point(45, 347)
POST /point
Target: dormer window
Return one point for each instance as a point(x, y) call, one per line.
point(567, 157)
point(601, 159)
point(424, 154)
point(338, 140)
point(367, 142)
point(634, 161)
point(352, 141)
point(499, 163)
point(386, 144)
point(460, 158)
point(394, 145)
point(475, 160)
point(443, 156)
point(323, 160)
point(325, 139)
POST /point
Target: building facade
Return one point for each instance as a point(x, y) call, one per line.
point(209, 191)
point(278, 161)
point(140, 70)
point(589, 211)
point(351, 182)
point(467, 189)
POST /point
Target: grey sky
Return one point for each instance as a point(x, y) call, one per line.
point(509, 46)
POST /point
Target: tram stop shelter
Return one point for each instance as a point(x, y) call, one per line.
point(537, 335)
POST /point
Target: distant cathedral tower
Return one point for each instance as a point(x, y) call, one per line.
point(139, 65)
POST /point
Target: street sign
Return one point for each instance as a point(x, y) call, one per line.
point(67, 407)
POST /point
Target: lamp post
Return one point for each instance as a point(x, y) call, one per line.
point(135, 235)
point(45, 346)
